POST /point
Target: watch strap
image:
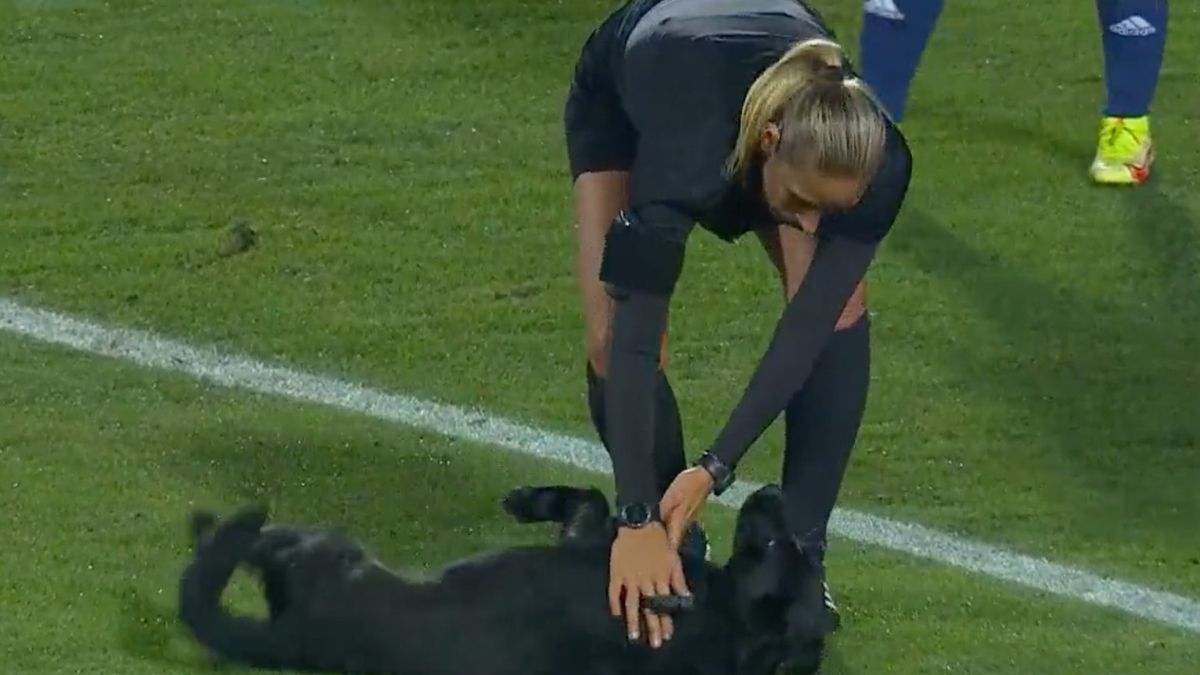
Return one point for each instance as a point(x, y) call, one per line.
point(722, 474)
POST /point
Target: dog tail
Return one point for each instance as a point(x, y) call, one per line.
point(220, 548)
point(581, 511)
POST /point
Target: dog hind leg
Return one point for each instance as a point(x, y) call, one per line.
point(583, 513)
point(271, 556)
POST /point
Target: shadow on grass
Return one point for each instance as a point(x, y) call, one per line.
point(834, 663)
point(416, 501)
point(1086, 369)
point(1112, 384)
point(148, 630)
point(1165, 227)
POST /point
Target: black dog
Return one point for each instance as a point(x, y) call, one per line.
point(527, 611)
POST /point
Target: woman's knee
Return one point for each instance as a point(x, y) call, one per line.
point(597, 346)
point(855, 310)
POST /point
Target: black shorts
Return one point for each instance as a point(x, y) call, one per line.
point(600, 135)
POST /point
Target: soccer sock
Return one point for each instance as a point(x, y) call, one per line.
point(894, 35)
point(1134, 36)
point(669, 458)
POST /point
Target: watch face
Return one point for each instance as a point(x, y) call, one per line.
point(636, 514)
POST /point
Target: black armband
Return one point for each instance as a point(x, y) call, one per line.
point(640, 258)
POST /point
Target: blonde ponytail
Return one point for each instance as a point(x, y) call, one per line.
point(825, 117)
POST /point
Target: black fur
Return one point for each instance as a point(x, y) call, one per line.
point(522, 611)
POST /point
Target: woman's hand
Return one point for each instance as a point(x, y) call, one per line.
point(644, 564)
point(683, 501)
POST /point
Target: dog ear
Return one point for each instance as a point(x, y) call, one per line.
point(761, 520)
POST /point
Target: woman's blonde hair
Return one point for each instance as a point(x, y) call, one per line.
point(826, 118)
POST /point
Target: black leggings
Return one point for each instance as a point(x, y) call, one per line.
point(821, 426)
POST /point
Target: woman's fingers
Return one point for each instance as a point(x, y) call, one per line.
point(633, 602)
point(670, 499)
point(615, 585)
point(678, 580)
point(677, 522)
point(663, 588)
point(653, 621)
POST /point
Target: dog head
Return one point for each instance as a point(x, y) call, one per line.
point(778, 597)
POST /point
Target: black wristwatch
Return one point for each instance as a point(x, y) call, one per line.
point(721, 474)
point(637, 515)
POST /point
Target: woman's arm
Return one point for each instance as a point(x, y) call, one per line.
point(641, 265)
point(802, 331)
point(642, 262)
point(841, 259)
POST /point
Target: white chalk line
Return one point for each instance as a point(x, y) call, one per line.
point(236, 371)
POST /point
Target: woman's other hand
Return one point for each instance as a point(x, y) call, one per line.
point(683, 500)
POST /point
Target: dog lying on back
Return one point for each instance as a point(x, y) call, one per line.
point(537, 610)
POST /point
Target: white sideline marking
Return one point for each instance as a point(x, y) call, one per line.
point(232, 370)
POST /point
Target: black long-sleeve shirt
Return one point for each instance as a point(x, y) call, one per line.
point(682, 71)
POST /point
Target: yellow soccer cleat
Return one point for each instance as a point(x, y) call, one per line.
point(1125, 152)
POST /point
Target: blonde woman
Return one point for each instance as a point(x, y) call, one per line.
point(742, 116)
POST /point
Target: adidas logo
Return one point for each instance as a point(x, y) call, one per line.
point(1134, 26)
point(886, 9)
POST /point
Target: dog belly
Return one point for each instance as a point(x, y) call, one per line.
point(512, 619)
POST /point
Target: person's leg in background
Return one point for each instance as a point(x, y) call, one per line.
point(1134, 35)
point(893, 38)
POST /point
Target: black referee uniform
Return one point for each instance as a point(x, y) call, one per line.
point(657, 92)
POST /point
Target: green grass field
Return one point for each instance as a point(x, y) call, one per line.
point(1035, 375)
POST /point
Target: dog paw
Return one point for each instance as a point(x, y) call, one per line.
point(249, 517)
point(201, 524)
point(521, 504)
